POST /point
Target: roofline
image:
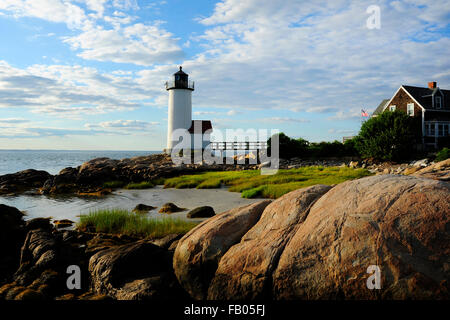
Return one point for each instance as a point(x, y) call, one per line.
point(401, 87)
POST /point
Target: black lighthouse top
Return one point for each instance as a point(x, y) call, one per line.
point(180, 81)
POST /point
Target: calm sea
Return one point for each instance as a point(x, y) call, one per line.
point(53, 161)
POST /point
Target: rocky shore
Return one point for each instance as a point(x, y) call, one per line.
point(312, 243)
point(90, 177)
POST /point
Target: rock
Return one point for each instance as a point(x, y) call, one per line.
point(23, 180)
point(143, 208)
point(437, 171)
point(29, 294)
point(170, 208)
point(201, 212)
point(265, 164)
point(64, 223)
point(244, 272)
point(353, 164)
point(197, 254)
point(37, 254)
point(136, 271)
point(399, 223)
point(167, 241)
point(410, 170)
point(420, 163)
point(12, 234)
point(38, 223)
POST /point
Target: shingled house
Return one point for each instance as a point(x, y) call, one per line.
point(431, 105)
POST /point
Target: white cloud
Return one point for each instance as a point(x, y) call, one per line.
point(69, 91)
point(283, 120)
point(50, 10)
point(138, 43)
point(127, 125)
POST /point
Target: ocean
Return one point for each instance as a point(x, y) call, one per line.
point(54, 161)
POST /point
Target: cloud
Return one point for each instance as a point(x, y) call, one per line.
point(140, 44)
point(50, 10)
point(70, 91)
point(13, 121)
point(283, 120)
point(127, 125)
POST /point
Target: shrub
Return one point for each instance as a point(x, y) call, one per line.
point(442, 155)
point(390, 136)
point(289, 147)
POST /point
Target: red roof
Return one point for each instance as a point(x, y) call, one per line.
point(204, 124)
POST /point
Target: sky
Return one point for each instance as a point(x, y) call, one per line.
point(89, 75)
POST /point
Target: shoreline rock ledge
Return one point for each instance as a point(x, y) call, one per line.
point(318, 243)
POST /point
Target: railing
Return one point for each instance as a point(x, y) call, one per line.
point(179, 84)
point(245, 145)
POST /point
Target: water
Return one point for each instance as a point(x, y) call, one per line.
point(53, 161)
point(71, 207)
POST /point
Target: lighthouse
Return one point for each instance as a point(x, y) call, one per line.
point(180, 111)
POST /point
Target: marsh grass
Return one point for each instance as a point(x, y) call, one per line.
point(140, 185)
point(113, 184)
point(252, 184)
point(133, 185)
point(119, 221)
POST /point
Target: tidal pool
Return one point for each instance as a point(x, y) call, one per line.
point(63, 207)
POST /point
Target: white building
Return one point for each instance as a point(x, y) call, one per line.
point(180, 113)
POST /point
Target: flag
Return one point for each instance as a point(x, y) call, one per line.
point(364, 114)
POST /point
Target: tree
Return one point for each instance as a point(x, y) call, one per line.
point(289, 147)
point(390, 136)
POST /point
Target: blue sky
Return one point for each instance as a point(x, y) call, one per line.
point(90, 74)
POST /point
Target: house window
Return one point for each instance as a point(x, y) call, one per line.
point(440, 130)
point(427, 130)
point(438, 103)
point(432, 129)
point(391, 108)
point(410, 109)
point(446, 133)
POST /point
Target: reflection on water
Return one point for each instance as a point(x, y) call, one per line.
point(64, 207)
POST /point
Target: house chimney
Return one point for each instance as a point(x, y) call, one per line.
point(432, 85)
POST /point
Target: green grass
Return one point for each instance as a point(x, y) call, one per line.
point(133, 185)
point(140, 185)
point(252, 184)
point(113, 184)
point(119, 221)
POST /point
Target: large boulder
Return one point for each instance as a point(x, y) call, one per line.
point(199, 251)
point(322, 243)
point(398, 223)
point(136, 271)
point(244, 272)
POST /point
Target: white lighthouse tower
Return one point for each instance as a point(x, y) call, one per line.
point(180, 105)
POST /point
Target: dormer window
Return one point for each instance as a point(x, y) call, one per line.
point(438, 101)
